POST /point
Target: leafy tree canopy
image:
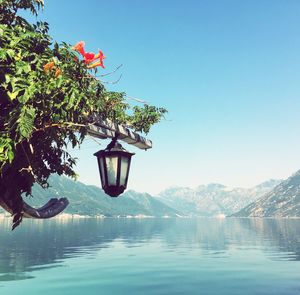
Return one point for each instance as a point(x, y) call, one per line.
point(48, 94)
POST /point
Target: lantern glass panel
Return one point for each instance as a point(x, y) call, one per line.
point(102, 173)
point(124, 169)
point(112, 169)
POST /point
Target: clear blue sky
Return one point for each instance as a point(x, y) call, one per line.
point(227, 71)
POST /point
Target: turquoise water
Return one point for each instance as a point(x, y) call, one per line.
point(151, 256)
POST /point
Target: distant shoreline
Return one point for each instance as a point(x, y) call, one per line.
point(65, 216)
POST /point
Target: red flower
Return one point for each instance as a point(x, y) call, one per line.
point(88, 57)
point(79, 47)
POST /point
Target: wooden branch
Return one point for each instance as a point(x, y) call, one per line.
point(52, 208)
point(29, 169)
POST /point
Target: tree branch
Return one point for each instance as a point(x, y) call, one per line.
point(113, 82)
point(60, 125)
point(136, 99)
point(110, 73)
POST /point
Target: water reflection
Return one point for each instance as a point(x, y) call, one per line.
point(46, 244)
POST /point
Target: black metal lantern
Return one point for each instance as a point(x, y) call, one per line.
point(114, 164)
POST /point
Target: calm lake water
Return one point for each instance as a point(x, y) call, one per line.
point(151, 256)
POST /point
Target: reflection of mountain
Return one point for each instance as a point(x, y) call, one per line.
point(91, 200)
point(213, 199)
point(281, 234)
point(45, 244)
point(282, 201)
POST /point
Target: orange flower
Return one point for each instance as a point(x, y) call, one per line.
point(89, 57)
point(57, 73)
point(48, 66)
point(96, 64)
point(99, 63)
point(79, 47)
point(101, 56)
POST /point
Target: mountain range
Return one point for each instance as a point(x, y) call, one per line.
point(271, 198)
point(91, 200)
point(213, 199)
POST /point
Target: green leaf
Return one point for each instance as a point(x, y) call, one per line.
point(2, 145)
point(26, 68)
point(2, 53)
point(11, 156)
point(7, 78)
point(22, 67)
point(59, 81)
point(24, 98)
point(10, 53)
point(12, 95)
point(26, 121)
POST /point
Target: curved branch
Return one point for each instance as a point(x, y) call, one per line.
point(113, 82)
point(52, 208)
point(107, 74)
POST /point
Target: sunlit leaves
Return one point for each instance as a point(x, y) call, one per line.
point(144, 117)
point(12, 95)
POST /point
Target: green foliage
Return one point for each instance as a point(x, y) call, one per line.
point(6, 150)
point(144, 118)
point(47, 97)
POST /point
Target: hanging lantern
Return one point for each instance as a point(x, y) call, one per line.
point(114, 165)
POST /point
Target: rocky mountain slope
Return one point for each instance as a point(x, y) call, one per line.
point(213, 199)
point(282, 201)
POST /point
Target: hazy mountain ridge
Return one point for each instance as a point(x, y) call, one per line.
point(213, 199)
point(92, 201)
point(282, 201)
point(270, 198)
